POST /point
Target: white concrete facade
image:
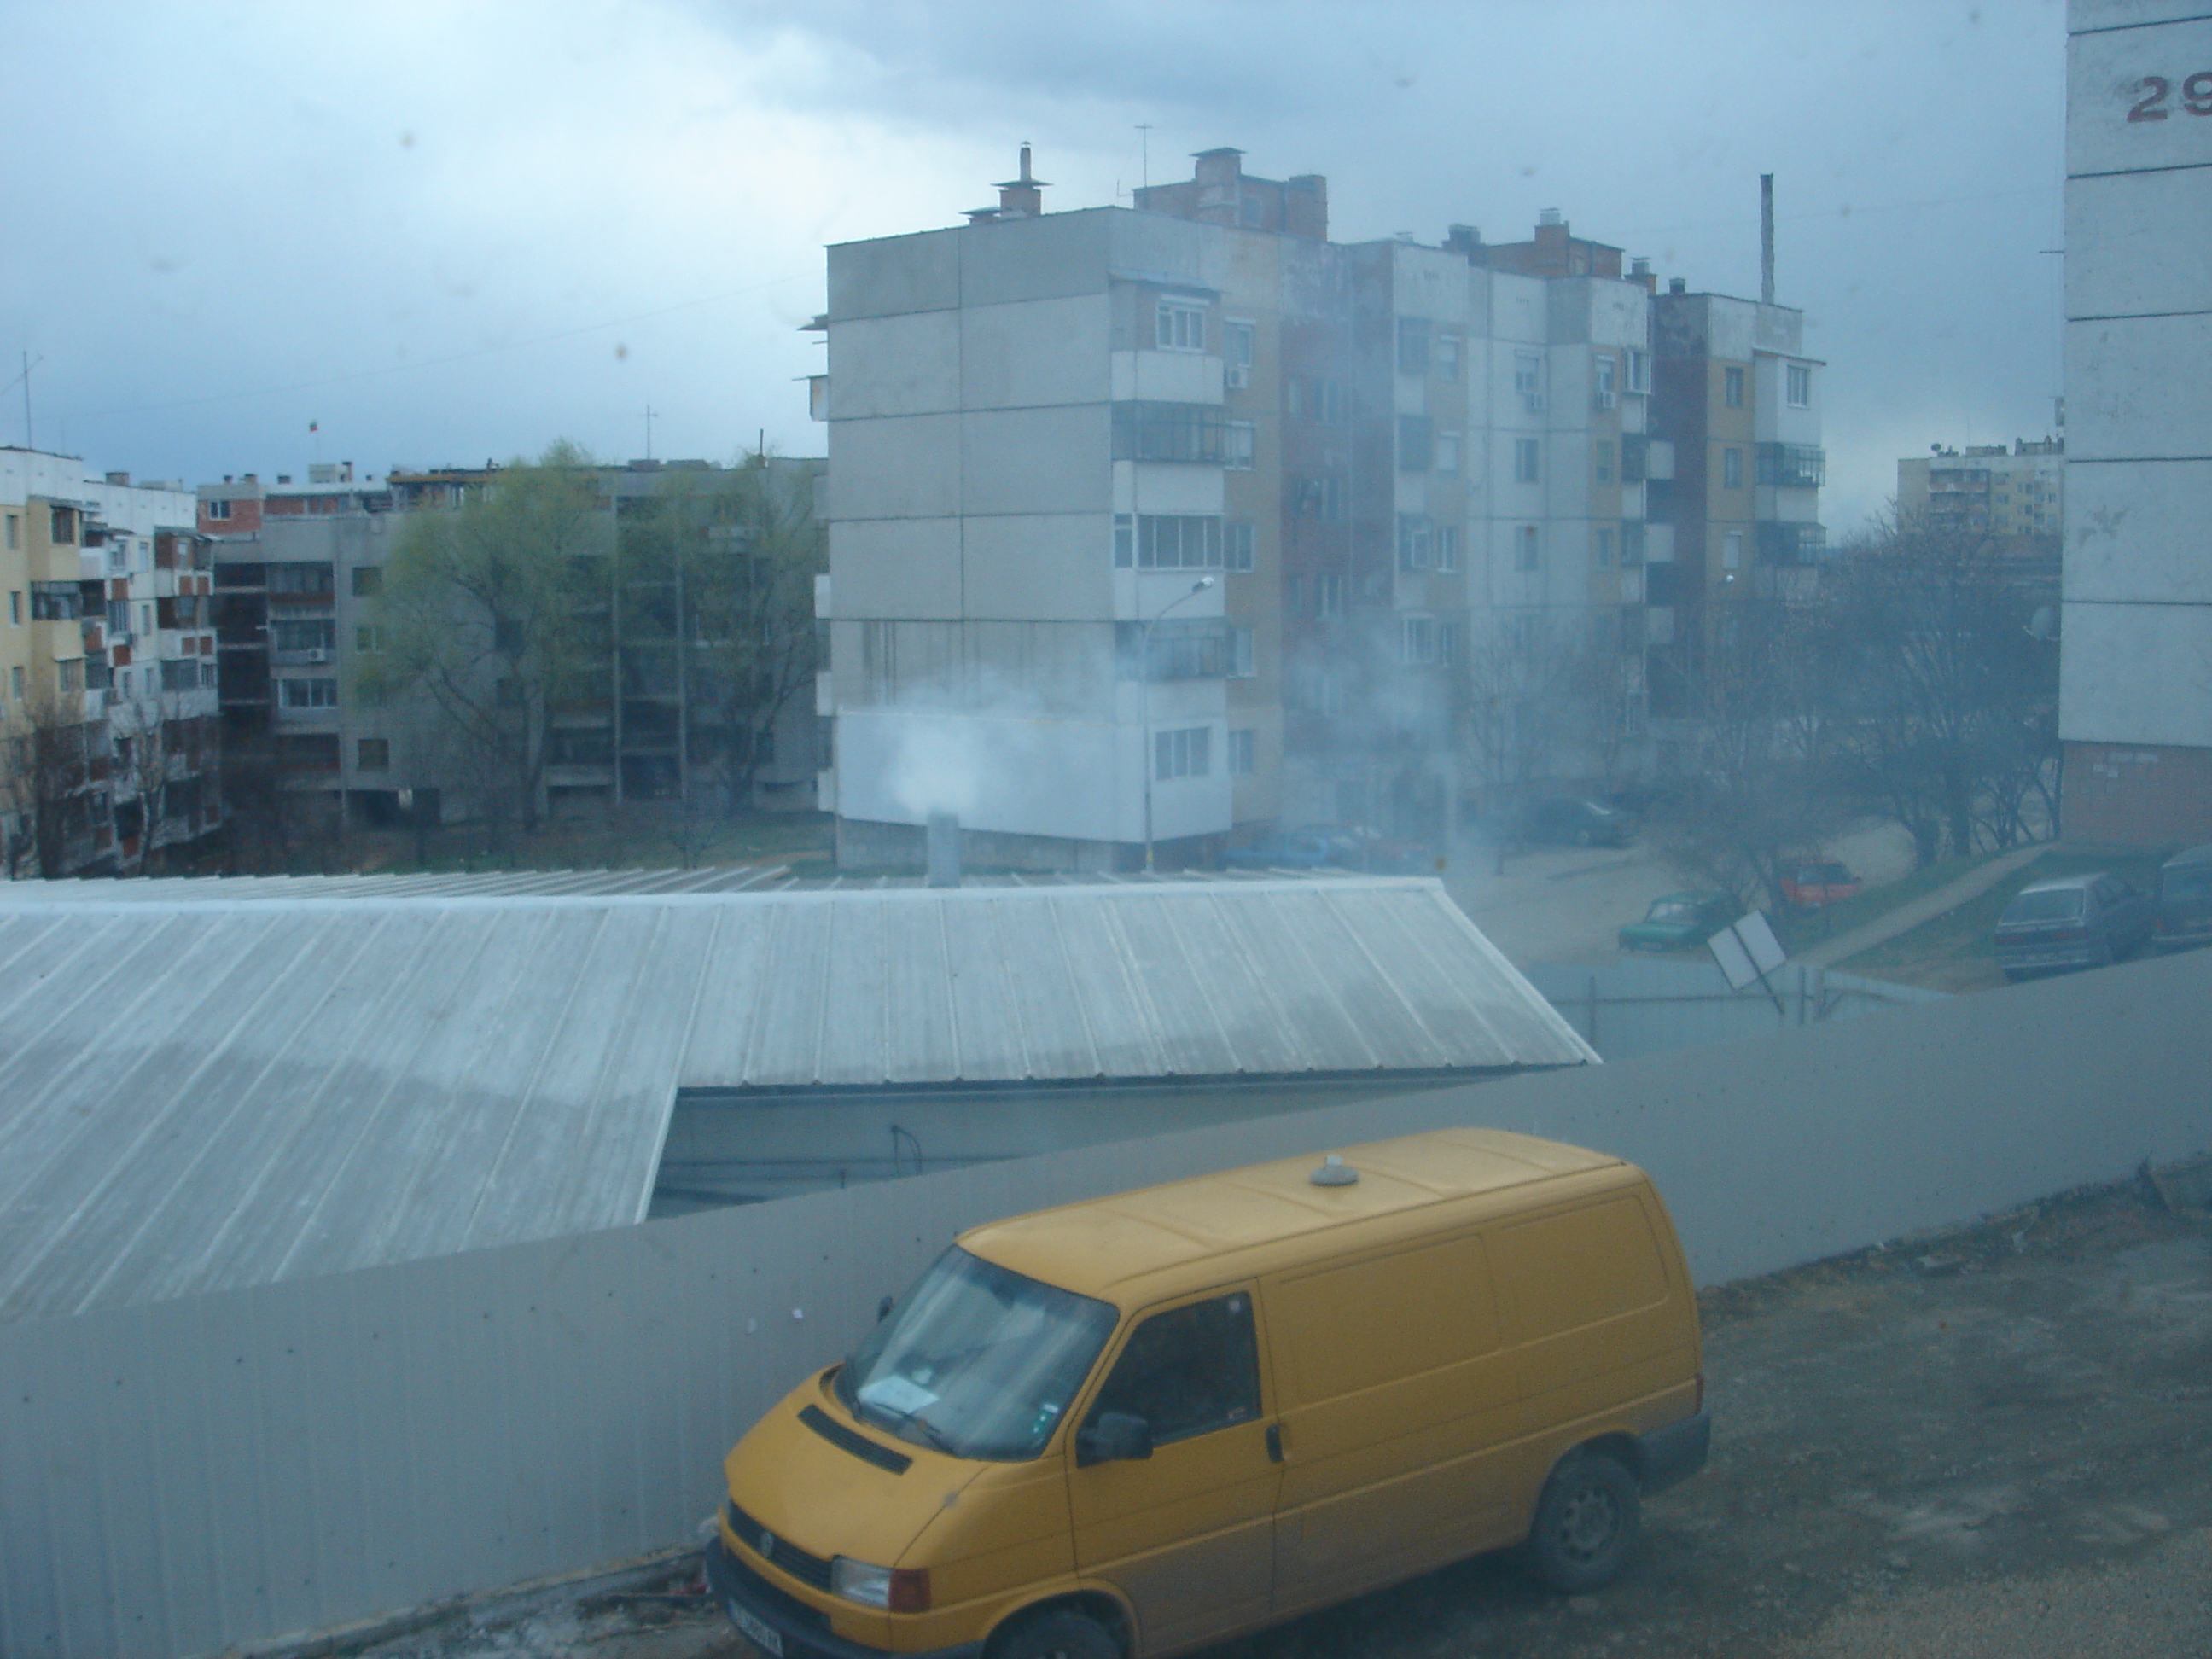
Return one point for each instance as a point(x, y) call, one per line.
point(2136, 665)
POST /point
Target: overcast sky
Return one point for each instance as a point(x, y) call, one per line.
point(446, 232)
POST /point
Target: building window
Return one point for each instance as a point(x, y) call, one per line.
point(1413, 345)
point(1237, 344)
point(372, 755)
point(1609, 389)
point(1529, 376)
point(15, 679)
point(1239, 446)
point(367, 580)
point(1447, 546)
point(1244, 751)
point(1525, 554)
point(1328, 595)
point(1183, 754)
point(1236, 549)
point(217, 510)
point(368, 638)
point(1418, 642)
point(1240, 654)
point(1605, 549)
point(1448, 353)
point(1448, 451)
point(1605, 461)
point(62, 523)
point(1732, 549)
point(1178, 325)
point(1314, 399)
point(1168, 432)
point(1413, 542)
point(1321, 496)
point(1732, 387)
point(310, 694)
point(1174, 648)
point(1731, 469)
point(1639, 372)
point(1168, 541)
point(15, 607)
point(1798, 385)
point(14, 530)
point(1449, 635)
point(1524, 460)
point(301, 578)
point(71, 673)
point(1416, 449)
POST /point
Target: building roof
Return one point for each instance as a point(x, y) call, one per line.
point(214, 1084)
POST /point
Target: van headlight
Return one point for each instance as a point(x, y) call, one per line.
point(895, 1589)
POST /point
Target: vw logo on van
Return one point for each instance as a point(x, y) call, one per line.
point(767, 1545)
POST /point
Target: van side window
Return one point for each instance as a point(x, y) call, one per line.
point(1189, 1370)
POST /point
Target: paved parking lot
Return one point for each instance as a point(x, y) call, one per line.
point(1991, 1443)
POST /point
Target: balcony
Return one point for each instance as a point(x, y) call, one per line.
point(1791, 543)
point(1793, 466)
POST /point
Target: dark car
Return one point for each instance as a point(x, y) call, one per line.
point(1575, 821)
point(1679, 921)
point(2072, 922)
point(1817, 883)
point(2185, 901)
point(1300, 849)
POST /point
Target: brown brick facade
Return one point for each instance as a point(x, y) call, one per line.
point(2138, 794)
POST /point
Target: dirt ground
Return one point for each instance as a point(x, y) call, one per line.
point(1992, 1443)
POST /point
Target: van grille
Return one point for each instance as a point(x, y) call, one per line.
point(779, 1552)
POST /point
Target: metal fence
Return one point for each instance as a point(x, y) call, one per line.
point(1631, 1008)
point(183, 1476)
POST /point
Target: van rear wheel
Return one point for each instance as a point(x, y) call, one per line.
point(1586, 1523)
point(1057, 1636)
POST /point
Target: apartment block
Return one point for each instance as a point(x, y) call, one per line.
point(108, 741)
point(2019, 491)
point(1736, 404)
point(299, 573)
point(1150, 525)
point(2135, 701)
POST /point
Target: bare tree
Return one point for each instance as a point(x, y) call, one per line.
point(46, 775)
point(1943, 697)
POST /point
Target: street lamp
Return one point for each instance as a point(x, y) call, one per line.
point(1145, 702)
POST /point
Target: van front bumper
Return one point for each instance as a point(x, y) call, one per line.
point(1672, 1454)
point(802, 1631)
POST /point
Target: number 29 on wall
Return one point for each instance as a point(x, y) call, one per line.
point(2195, 96)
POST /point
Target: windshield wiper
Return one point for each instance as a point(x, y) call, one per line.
point(932, 1435)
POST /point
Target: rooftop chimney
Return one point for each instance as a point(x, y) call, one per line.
point(1551, 217)
point(1677, 285)
point(1462, 238)
point(1022, 198)
point(1767, 239)
point(944, 848)
point(1639, 270)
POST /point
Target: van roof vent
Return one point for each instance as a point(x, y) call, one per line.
point(1333, 1172)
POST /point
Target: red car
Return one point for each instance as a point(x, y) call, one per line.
point(1817, 883)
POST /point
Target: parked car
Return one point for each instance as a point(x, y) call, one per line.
point(1175, 1416)
point(2185, 901)
point(1679, 921)
point(1299, 849)
point(1361, 849)
point(1817, 883)
point(2071, 922)
point(1575, 821)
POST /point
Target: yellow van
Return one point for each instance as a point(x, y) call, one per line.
point(1132, 1426)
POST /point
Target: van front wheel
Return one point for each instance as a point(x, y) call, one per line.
point(1586, 1523)
point(1057, 1636)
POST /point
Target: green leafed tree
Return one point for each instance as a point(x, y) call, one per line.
point(494, 618)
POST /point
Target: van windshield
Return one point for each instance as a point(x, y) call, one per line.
point(976, 1360)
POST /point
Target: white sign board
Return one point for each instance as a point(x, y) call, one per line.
point(1747, 949)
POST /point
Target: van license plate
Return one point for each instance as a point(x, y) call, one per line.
point(758, 1630)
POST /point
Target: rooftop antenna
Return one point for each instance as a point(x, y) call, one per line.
point(28, 367)
point(1145, 152)
point(648, 432)
point(1767, 239)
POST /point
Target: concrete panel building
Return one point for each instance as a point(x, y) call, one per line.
point(2135, 665)
point(1153, 527)
point(108, 746)
point(1987, 488)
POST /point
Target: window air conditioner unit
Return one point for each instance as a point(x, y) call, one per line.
point(1239, 376)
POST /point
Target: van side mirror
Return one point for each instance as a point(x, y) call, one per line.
point(1113, 1437)
point(883, 1311)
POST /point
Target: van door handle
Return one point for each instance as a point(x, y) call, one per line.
point(1274, 1443)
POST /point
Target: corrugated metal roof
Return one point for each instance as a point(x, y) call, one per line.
point(209, 1085)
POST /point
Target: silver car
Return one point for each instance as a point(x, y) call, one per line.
point(2072, 922)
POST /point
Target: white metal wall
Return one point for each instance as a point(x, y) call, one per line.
point(180, 1477)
